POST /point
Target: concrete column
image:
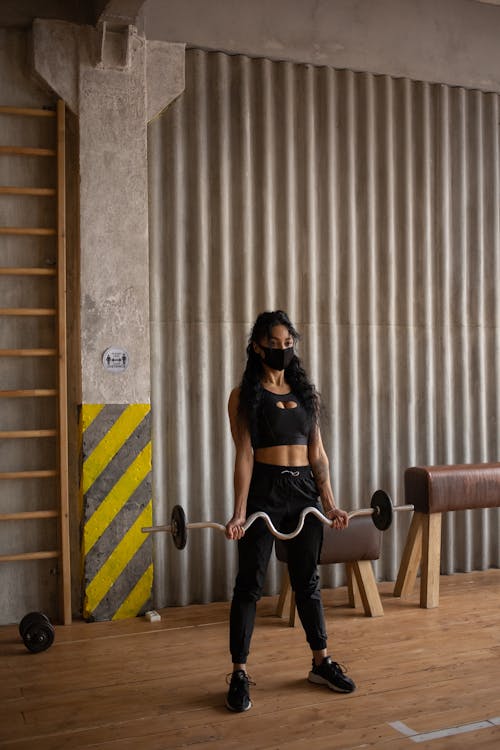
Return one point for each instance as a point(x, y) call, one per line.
point(115, 81)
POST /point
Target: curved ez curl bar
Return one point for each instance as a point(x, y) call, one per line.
point(381, 511)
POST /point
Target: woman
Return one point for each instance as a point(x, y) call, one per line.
point(281, 467)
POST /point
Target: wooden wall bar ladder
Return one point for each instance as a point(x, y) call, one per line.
point(58, 350)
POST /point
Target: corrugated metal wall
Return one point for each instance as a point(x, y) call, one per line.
point(368, 208)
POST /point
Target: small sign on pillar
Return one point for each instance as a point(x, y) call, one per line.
point(115, 359)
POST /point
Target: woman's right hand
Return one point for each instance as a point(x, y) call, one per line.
point(234, 527)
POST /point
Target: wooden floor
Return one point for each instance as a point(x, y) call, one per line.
point(134, 684)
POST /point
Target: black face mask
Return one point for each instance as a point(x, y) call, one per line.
point(278, 359)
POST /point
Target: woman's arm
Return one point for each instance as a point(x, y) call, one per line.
point(321, 470)
point(243, 467)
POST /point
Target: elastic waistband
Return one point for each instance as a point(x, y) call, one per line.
point(271, 470)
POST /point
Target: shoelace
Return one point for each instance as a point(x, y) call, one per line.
point(247, 677)
point(337, 667)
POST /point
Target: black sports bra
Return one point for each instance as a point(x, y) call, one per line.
point(278, 425)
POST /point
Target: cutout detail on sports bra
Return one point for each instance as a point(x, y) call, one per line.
point(286, 404)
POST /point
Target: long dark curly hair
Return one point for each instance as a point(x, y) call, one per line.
point(251, 388)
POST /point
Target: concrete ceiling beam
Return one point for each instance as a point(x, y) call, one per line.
point(122, 12)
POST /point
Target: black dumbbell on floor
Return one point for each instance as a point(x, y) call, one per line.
point(37, 632)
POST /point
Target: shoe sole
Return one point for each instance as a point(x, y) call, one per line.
point(239, 710)
point(318, 680)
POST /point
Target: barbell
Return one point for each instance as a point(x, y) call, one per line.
point(381, 511)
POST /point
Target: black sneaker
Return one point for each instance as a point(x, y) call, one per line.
point(332, 674)
point(238, 695)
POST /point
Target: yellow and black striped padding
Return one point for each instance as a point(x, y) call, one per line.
point(117, 502)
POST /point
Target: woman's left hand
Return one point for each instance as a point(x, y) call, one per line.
point(338, 517)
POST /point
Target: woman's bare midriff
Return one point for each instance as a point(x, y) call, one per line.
point(283, 455)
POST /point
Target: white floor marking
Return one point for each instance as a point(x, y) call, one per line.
point(399, 726)
point(414, 736)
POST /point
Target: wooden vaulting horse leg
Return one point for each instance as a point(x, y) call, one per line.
point(422, 548)
point(287, 599)
point(362, 571)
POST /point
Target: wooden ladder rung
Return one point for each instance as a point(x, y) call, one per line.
point(42, 231)
point(13, 190)
point(14, 271)
point(29, 515)
point(27, 151)
point(34, 474)
point(28, 393)
point(35, 312)
point(27, 111)
point(11, 434)
point(28, 352)
point(57, 350)
point(30, 556)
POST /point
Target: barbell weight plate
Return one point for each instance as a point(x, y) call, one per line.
point(382, 510)
point(30, 619)
point(38, 636)
point(178, 523)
